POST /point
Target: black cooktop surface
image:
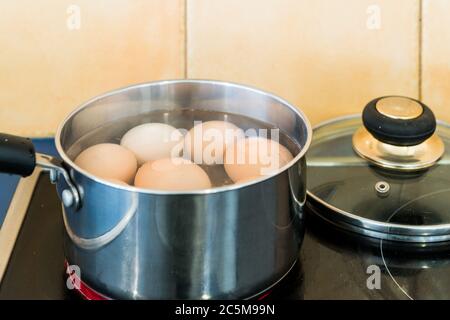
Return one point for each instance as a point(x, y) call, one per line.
point(332, 264)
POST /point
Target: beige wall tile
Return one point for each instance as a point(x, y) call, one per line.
point(46, 69)
point(327, 57)
point(436, 57)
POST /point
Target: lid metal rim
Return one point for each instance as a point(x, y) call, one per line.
point(391, 228)
point(389, 231)
point(420, 239)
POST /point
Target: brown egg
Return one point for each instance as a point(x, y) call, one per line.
point(247, 179)
point(206, 142)
point(255, 157)
point(108, 161)
point(171, 174)
point(115, 181)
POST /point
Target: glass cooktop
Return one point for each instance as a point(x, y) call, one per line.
point(332, 264)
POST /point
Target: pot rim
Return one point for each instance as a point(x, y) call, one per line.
point(212, 190)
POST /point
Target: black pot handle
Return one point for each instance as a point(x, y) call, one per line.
point(17, 155)
point(398, 120)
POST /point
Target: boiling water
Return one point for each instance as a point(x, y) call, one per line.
point(181, 119)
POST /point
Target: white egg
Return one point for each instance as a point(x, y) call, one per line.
point(206, 142)
point(152, 141)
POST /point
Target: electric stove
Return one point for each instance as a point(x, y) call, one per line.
point(332, 264)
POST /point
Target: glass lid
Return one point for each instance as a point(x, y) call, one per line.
point(392, 184)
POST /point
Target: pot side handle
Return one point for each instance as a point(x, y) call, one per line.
point(17, 155)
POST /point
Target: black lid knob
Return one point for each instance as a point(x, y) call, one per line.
point(398, 120)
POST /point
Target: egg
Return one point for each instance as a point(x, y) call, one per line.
point(115, 181)
point(108, 161)
point(254, 157)
point(247, 179)
point(172, 174)
point(152, 141)
point(206, 142)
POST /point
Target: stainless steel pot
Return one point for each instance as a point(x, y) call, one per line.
point(129, 243)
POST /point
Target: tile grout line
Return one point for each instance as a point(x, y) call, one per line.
point(185, 39)
point(420, 59)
